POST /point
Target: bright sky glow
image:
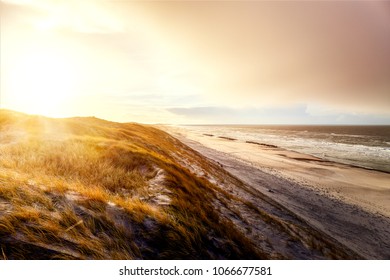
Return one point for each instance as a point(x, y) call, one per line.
point(198, 62)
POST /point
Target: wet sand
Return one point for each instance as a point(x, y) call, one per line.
point(349, 203)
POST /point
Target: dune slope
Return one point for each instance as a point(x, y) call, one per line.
point(85, 188)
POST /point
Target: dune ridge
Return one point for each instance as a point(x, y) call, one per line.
point(86, 188)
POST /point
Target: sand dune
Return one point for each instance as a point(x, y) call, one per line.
point(85, 188)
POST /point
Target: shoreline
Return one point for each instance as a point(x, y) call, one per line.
point(314, 158)
point(351, 204)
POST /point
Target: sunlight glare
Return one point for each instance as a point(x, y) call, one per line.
point(40, 82)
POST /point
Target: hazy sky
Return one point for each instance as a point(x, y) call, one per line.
point(198, 62)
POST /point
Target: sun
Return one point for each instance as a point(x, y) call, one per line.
point(41, 82)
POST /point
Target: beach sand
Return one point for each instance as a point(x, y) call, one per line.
point(350, 204)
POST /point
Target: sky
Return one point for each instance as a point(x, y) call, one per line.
point(199, 62)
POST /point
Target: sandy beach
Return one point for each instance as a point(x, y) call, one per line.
point(351, 204)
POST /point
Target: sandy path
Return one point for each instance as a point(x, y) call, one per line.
point(348, 203)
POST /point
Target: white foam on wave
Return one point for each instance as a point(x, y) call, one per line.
point(359, 150)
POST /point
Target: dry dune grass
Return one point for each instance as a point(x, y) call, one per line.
point(81, 188)
point(85, 188)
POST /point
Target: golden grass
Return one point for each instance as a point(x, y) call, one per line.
point(78, 189)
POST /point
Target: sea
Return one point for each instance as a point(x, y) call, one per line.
point(363, 146)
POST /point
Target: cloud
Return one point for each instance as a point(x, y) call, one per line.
point(231, 115)
point(219, 61)
point(269, 54)
point(298, 114)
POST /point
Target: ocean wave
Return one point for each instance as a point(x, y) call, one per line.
point(360, 150)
